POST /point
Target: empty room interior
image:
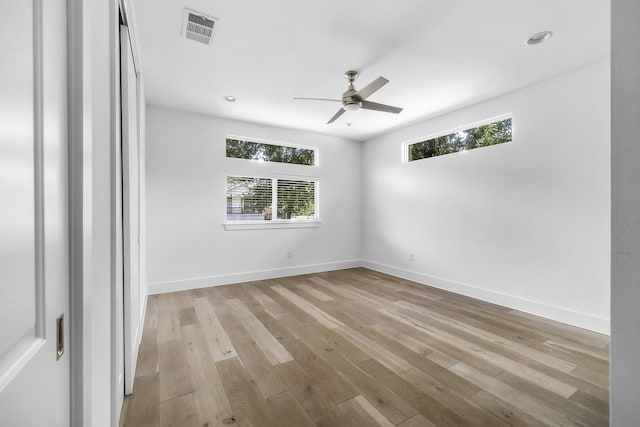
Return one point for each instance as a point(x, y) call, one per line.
point(324, 235)
point(331, 213)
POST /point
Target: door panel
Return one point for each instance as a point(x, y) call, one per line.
point(118, 264)
point(131, 208)
point(17, 184)
point(34, 246)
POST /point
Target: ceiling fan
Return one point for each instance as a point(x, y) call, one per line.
point(353, 99)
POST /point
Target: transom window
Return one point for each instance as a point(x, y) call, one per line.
point(262, 151)
point(492, 133)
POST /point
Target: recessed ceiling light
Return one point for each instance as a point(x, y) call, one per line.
point(540, 37)
point(229, 98)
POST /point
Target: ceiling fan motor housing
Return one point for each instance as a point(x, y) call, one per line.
point(351, 101)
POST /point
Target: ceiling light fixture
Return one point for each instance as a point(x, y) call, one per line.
point(540, 37)
point(352, 106)
point(229, 98)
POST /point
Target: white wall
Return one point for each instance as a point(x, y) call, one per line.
point(523, 224)
point(625, 213)
point(186, 206)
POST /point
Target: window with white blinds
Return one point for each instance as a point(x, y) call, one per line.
point(249, 198)
point(270, 184)
point(253, 199)
point(296, 199)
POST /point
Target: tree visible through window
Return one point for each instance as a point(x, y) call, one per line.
point(296, 199)
point(249, 198)
point(468, 139)
point(241, 149)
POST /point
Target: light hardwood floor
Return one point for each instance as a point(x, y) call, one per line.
point(360, 348)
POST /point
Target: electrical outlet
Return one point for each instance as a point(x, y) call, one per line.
point(289, 253)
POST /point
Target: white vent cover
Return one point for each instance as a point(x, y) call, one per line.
point(198, 26)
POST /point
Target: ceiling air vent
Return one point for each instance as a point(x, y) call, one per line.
point(198, 26)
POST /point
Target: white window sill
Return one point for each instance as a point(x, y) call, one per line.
point(262, 225)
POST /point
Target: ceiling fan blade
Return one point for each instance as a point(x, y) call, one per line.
point(319, 99)
point(369, 89)
point(335, 116)
point(368, 105)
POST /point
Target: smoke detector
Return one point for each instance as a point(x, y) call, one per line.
point(198, 26)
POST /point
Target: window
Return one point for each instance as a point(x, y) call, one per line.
point(274, 192)
point(253, 198)
point(250, 150)
point(481, 136)
point(296, 199)
point(249, 198)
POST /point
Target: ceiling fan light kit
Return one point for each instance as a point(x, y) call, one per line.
point(353, 99)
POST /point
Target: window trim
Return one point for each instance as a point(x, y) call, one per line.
point(405, 145)
point(316, 151)
point(275, 223)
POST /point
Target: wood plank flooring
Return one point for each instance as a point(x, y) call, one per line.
point(360, 348)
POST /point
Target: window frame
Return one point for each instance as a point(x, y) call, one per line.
point(407, 144)
point(274, 171)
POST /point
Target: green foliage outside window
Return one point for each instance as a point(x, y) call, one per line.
point(296, 199)
point(481, 136)
point(241, 149)
point(248, 198)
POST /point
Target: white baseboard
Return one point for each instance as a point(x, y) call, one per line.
point(559, 314)
point(226, 279)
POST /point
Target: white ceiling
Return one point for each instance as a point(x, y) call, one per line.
point(439, 55)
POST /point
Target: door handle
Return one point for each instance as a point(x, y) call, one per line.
point(59, 337)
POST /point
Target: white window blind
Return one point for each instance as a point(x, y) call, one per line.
point(296, 199)
point(249, 198)
point(253, 198)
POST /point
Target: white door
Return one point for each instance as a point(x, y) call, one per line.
point(118, 272)
point(130, 207)
point(34, 244)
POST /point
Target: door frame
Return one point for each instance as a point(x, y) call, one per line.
point(80, 211)
point(80, 35)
